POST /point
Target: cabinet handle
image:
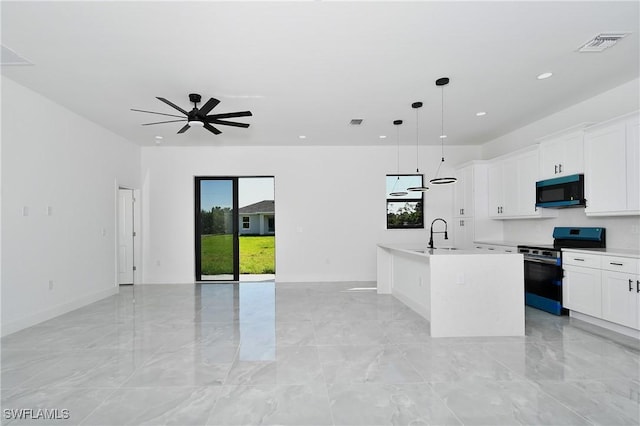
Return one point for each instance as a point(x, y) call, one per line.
point(616, 263)
point(637, 286)
point(555, 169)
point(630, 285)
point(559, 168)
point(579, 260)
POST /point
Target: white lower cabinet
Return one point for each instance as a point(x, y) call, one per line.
point(603, 286)
point(582, 290)
point(620, 298)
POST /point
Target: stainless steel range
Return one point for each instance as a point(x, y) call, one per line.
point(543, 265)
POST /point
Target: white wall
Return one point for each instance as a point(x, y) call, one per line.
point(613, 103)
point(330, 205)
point(64, 161)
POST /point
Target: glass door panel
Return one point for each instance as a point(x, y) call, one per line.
point(216, 229)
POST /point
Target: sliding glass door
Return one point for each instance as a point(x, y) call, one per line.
point(216, 228)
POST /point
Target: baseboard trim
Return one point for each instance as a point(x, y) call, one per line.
point(626, 331)
point(31, 320)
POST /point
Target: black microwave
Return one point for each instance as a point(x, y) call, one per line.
point(565, 191)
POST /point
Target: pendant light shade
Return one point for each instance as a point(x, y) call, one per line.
point(417, 106)
point(438, 180)
point(394, 192)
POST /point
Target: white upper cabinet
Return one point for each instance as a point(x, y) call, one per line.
point(612, 162)
point(512, 187)
point(463, 192)
point(562, 155)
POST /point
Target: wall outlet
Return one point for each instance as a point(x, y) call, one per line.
point(49, 210)
point(635, 229)
point(50, 284)
point(460, 279)
point(25, 211)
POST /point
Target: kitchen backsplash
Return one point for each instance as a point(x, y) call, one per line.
point(622, 231)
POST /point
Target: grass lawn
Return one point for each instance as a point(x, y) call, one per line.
point(257, 254)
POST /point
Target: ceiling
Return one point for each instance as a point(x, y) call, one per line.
point(308, 68)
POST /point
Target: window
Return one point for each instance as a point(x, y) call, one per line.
point(246, 222)
point(404, 211)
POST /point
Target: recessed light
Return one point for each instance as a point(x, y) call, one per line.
point(443, 136)
point(302, 137)
point(480, 114)
point(159, 137)
point(544, 75)
point(382, 137)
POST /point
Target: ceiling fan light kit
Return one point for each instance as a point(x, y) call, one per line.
point(441, 82)
point(198, 117)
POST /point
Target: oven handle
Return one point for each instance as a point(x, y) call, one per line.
point(545, 261)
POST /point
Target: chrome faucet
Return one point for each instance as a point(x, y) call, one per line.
point(446, 237)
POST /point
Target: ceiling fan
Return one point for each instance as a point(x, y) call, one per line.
point(198, 116)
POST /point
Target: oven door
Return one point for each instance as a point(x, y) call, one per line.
point(543, 284)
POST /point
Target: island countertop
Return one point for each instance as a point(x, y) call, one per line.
point(424, 251)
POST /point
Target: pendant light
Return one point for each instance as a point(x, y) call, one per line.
point(393, 192)
point(441, 82)
point(416, 106)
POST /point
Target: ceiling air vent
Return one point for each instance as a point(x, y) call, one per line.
point(601, 41)
point(356, 121)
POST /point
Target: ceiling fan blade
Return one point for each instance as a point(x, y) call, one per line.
point(212, 129)
point(229, 115)
point(211, 104)
point(184, 129)
point(229, 123)
point(171, 104)
point(153, 112)
point(162, 122)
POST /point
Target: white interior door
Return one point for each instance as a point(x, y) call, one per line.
point(125, 236)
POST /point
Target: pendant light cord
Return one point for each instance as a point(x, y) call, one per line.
point(441, 132)
point(417, 139)
point(442, 121)
point(398, 144)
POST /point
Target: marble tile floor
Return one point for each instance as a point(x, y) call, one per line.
point(306, 354)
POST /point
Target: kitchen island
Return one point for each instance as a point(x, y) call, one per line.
point(460, 292)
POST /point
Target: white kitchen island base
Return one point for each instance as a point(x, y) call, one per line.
point(460, 292)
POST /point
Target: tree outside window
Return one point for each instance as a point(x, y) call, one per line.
point(404, 211)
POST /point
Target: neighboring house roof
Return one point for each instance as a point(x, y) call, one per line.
point(264, 206)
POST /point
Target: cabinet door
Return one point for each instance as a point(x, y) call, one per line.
point(582, 290)
point(572, 161)
point(633, 164)
point(463, 233)
point(510, 187)
point(605, 169)
point(527, 177)
point(551, 154)
point(562, 156)
point(463, 193)
point(494, 173)
point(619, 298)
